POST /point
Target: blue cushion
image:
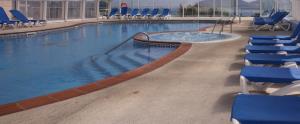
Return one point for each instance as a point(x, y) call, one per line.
point(255, 37)
point(270, 74)
point(273, 42)
point(271, 58)
point(260, 109)
point(273, 49)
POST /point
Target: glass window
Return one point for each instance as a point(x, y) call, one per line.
point(74, 9)
point(249, 7)
point(103, 7)
point(22, 6)
point(206, 8)
point(228, 7)
point(267, 6)
point(285, 5)
point(90, 9)
point(191, 9)
point(34, 9)
point(55, 10)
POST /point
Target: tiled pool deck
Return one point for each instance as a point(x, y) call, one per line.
point(196, 88)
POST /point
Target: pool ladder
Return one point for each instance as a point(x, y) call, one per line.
point(223, 23)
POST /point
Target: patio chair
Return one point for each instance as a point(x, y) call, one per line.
point(270, 23)
point(294, 34)
point(165, 13)
point(262, 109)
point(290, 42)
point(124, 11)
point(145, 12)
point(134, 13)
point(4, 19)
point(274, 59)
point(113, 12)
point(154, 13)
point(268, 76)
point(273, 49)
point(24, 20)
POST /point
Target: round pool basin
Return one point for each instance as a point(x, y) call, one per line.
point(191, 37)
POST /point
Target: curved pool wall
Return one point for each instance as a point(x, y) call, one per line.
point(58, 60)
point(191, 37)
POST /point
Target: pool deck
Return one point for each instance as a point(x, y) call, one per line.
point(196, 88)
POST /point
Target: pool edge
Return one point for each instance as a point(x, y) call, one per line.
point(95, 86)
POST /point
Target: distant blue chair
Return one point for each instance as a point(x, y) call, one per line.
point(270, 23)
point(262, 109)
point(275, 75)
point(113, 12)
point(274, 59)
point(145, 12)
point(279, 37)
point(154, 12)
point(4, 19)
point(165, 13)
point(124, 11)
point(272, 49)
point(23, 19)
point(134, 13)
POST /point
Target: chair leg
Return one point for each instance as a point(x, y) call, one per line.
point(244, 85)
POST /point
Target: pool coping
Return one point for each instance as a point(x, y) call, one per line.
point(97, 85)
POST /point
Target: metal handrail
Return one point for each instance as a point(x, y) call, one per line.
point(125, 41)
point(216, 25)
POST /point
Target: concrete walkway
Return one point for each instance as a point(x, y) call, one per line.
point(196, 88)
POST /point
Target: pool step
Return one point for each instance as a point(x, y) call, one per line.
point(121, 63)
point(145, 55)
point(131, 57)
point(108, 67)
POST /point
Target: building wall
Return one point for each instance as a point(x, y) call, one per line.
point(7, 5)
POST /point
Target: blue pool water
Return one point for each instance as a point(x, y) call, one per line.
point(58, 60)
point(188, 37)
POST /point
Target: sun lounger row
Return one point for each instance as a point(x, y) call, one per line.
point(137, 13)
point(21, 19)
point(271, 22)
point(271, 66)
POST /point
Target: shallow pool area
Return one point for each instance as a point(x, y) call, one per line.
point(54, 61)
point(191, 37)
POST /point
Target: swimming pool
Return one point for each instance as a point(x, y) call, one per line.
point(58, 60)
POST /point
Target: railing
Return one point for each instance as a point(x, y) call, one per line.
point(125, 41)
point(223, 23)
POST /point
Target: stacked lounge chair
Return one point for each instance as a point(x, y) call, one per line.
point(24, 20)
point(154, 13)
point(4, 19)
point(113, 12)
point(263, 70)
point(145, 12)
point(134, 13)
point(270, 23)
point(165, 14)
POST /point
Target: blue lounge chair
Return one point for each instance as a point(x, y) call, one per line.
point(145, 12)
point(271, 22)
point(262, 109)
point(134, 12)
point(275, 75)
point(23, 19)
point(154, 12)
point(271, 59)
point(165, 13)
point(279, 37)
point(273, 49)
point(113, 12)
point(124, 11)
point(291, 42)
point(4, 19)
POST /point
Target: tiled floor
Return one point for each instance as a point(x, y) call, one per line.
point(196, 88)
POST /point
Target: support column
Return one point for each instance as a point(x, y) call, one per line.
point(214, 7)
point(83, 9)
point(97, 9)
point(45, 10)
point(66, 9)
